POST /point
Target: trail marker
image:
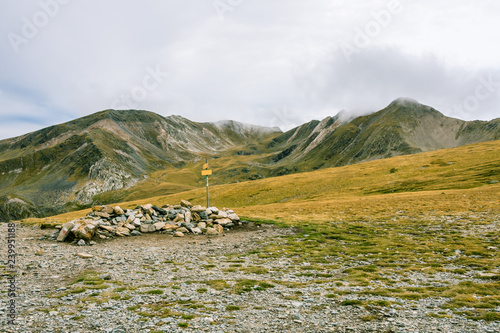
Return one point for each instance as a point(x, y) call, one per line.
point(206, 172)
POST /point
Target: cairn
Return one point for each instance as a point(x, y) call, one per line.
point(105, 222)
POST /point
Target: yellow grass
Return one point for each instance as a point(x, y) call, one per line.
point(452, 181)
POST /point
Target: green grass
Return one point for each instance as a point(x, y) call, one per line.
point(233, 308)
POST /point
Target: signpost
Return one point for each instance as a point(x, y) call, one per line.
point(206, 172)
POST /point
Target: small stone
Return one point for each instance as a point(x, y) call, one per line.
point(97, 208)
point(137, 222)
point(196, 231)
point(81, 242)
point(185, 203)
point(92, 243)
point(84, 255)
point(39, 252)
point(135, 233)
point(129, 226)
point(178, 234)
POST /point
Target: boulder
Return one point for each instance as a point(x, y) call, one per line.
point(102, 214)
point(66, 228)
point(118, 211)
point(179, 218)
point(135, 233)
point(233, 217)
point(130, 218)
point(223, 221)
point(185, 203)
point(129, 226)
point(145, 228)
point(211, 231)
point(218, 228)
point(107, 228)
point(123, 231)
point(183, 230)
point(161, 211)
point(187, 217)
point(178, 234)
point(196, 231)
point(97, 208)
point(198, 208)
point(213, 210)
point(170, 227)
point(137, 222)
point(85, 229)
point(108, 209)
point(159, 225)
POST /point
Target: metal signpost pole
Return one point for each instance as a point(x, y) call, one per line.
point(207, 189)
point(206, 172)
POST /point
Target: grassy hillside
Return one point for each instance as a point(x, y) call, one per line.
point(446, 181)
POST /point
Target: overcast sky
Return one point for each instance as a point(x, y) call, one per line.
point(266, 62)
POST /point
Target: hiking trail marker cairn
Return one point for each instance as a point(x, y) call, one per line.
point(206, 172)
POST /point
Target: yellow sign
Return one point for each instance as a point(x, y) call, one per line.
point(205, 166)
point(206, 172)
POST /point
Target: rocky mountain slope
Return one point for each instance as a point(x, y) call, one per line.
point(69, 164)
point(404, 127)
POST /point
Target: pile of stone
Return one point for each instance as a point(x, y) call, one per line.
point(106, 222)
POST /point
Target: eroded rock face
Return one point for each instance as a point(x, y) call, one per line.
point(105, 222)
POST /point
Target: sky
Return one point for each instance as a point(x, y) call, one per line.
point(264, 62)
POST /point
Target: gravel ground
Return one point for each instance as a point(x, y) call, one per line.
point(156, 282)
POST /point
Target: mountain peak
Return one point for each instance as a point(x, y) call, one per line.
point(404, 101)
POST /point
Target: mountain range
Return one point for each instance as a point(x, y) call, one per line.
point(113, 155)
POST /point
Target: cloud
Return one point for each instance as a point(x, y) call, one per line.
point(379, 75)
point(268, 63)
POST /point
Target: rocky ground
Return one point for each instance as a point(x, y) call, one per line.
point(223, 283)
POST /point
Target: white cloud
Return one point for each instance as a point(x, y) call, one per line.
point(264, 58)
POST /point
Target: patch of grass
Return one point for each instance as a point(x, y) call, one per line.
point(218, 284)
point(201, 290)
point(254, 270)
point(247, 285)
point(183, 325)
point(233, 308)
point(155, 292)
point(351, 302)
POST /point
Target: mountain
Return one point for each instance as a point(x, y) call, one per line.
point(402, 128)
point(68, 164)
point(113, 156)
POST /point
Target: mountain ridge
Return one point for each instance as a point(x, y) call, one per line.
point(63, 167)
